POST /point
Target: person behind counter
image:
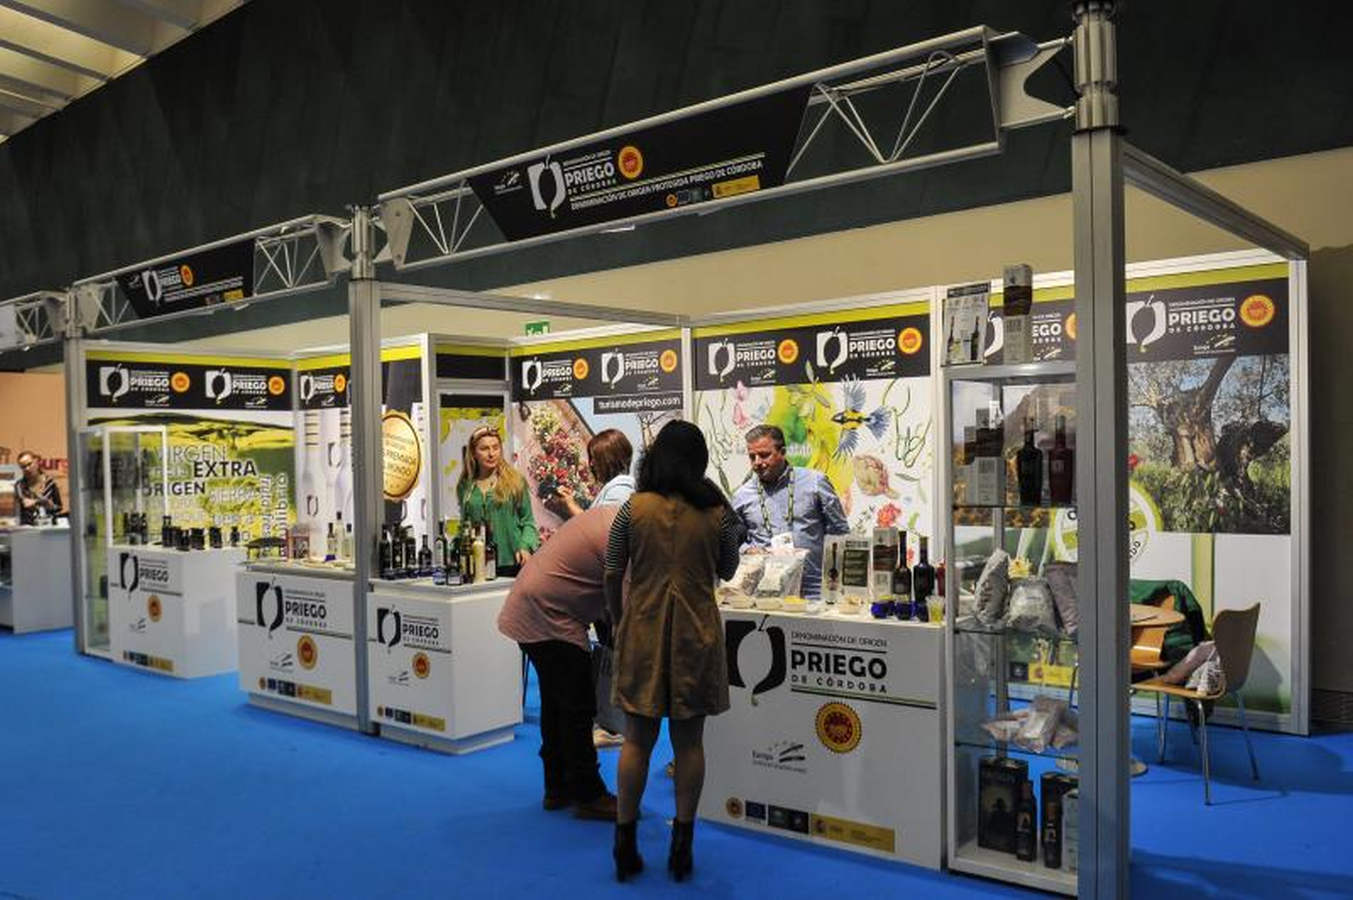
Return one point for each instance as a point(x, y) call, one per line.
point(675, 535)
point(557, 594)
point(35, 491)
point(609, 456)
point(493, 493)
point(783, 498)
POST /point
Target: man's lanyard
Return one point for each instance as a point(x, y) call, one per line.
point(765, 510)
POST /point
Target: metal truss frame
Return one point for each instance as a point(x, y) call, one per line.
point(445, 213)
point(39, 318)
point(291, 257)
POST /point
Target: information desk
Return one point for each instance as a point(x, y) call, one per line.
point(172, 611)
point(296, 651)
point(35, 580)
point(440, 674)
point(834, 735)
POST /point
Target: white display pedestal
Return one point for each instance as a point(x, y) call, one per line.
point(38, 594)
point(296, 651)
point(834, 735)
point(440, 674)
point(172, 612)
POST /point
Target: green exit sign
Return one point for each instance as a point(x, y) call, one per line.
point(541, 327)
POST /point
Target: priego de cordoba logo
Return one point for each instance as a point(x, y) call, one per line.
point(536, 175)
point(722, 358)
point(263, 616)
point(307, 387)
point(838, 727)
point(1146, 322)
point(532, 374)
point(220, 384)
point(114, 382)
point(307, 651)
point(128, 563)
point(612, 368)
point(389, 626)
point(738, 630)
point(833, 349)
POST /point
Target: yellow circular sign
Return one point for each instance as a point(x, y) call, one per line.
point(186, 273)
point(910, 341)
point(630, 161)
point(733, 806)
point(180, 382)
point(580, 369)
point(154, 608)
point(838, 727)
point(788, 350)
point(340, 383)
point(668, 361)
point(276, 385)
point(421, 664)
point(1071, 326)
point(671, 200)
point(403, 454)
point(307, 652)
point(1257, 310)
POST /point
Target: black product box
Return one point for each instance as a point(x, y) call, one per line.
point(1054, 786)
point(998, 782)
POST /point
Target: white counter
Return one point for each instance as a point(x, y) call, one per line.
point(173, 612)
point(296, 651)
point(37, 595)
point(440, 674)
point(834, 735)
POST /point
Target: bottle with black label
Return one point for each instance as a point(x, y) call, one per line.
point(410, 553)
point(331, 544)
point(1029, 466)
point(1052, 836)
point(1061, 465)
point(902, 579)
point(424, 559)
point(454, 568)
point(387, 553)
point(490, 555)
point(166, 532)
point(439, 547)
point(234, 535)
point(1026, 832)
point(922, 579)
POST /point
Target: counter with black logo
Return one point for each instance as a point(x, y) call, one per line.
point(833, 735)
point(172, 612)
point(35, 579)
point(439, 673)
point(296, 649)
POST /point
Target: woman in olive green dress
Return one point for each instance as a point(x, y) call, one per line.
point(493, 493)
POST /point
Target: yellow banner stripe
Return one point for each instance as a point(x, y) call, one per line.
point(333, 360)
point(186, 359)
point(1257, 272)
point(834, 317)
point(615, 340)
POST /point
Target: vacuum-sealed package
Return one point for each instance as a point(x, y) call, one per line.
point(744, 581)
point(1030, 607)
point(992, 585)
point(783, 575)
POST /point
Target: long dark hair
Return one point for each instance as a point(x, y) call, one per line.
point(675, 464)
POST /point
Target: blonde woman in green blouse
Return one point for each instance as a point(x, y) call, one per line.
point(493, 493)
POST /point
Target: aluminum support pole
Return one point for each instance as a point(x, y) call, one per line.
point(364, 330)
point(75, 387)
point(1101, 472)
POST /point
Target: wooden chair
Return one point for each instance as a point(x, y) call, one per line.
point(1233, 632)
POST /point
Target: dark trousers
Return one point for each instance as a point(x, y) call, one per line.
point(567, 705)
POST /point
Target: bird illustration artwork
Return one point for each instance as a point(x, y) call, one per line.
point(853, 416)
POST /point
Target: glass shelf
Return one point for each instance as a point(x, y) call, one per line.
point(975, 860)
point(969, 625)
point(991, 745)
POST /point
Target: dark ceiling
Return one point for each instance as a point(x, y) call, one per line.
point(286, 107)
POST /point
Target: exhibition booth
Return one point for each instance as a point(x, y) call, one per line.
point(957, 695)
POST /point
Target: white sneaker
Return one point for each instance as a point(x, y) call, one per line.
point(603, 738)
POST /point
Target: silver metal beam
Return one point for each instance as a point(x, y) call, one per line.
point(24, 105)
point(125, 29)
point(75, 404)
point(412, 293)
point(1160, 180)
point(1101, 445)
point(364, 324)
point(34, 75)
point(80, 67)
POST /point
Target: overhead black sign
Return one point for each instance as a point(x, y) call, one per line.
point(323, 388)
point(111, 384)
point(891, 347)
point(219, 275)
point(1242, 318)
point(720, 153)
point(642, 377)
point(471, 365)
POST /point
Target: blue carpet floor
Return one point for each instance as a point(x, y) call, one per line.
point(117, 783)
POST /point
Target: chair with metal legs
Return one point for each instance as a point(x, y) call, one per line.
point(1233, 632)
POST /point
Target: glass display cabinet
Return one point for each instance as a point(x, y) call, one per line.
point(1011, 538)
point(124, 496)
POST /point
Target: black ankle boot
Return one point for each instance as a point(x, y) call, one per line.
point(679, 860)
point(626, 852)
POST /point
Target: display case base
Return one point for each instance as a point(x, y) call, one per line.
point(453, 747)
point(324, 717)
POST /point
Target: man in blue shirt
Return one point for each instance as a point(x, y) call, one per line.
point(783, 498)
